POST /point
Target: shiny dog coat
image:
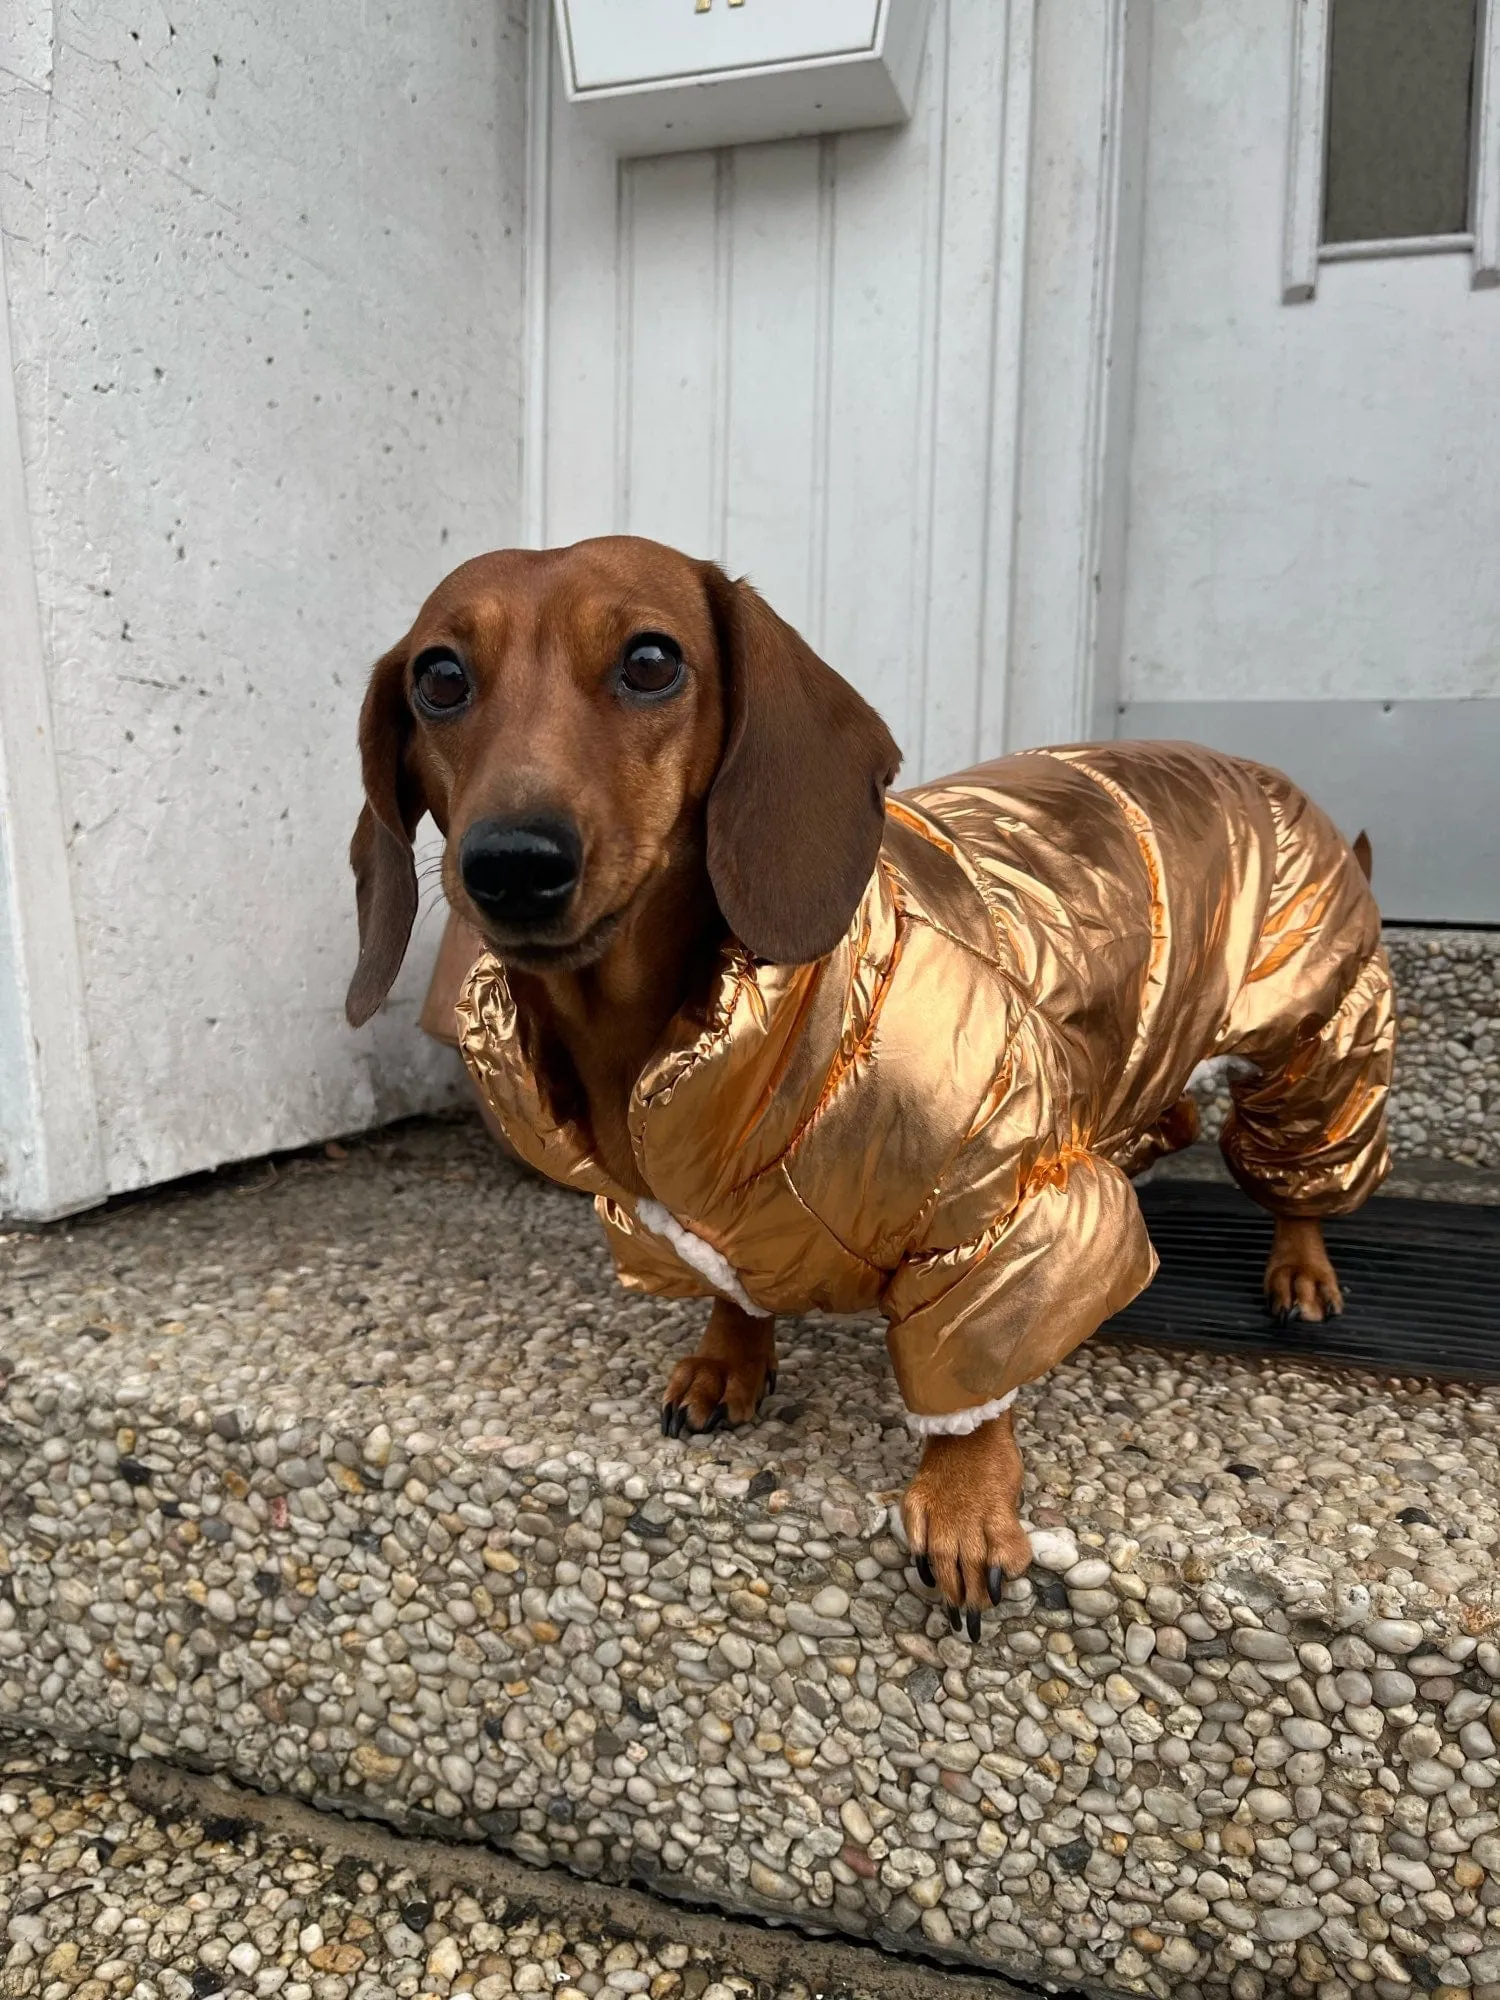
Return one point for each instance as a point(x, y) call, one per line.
point(940, 1118)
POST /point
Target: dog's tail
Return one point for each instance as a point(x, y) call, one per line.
point(1363, 854)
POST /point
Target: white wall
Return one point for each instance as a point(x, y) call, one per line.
point(264, 267)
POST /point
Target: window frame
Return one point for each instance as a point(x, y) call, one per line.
point(1303, 249)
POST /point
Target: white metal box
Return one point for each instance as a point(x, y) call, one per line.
point(668, 76)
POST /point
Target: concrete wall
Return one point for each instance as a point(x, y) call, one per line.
point(264, 267)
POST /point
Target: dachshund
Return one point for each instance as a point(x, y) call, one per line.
point(811, 1043)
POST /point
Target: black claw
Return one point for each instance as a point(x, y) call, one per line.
point(719, 1421)
point(679, 1420)
point(926, 1572)
point(994, 1580)
point(955, 1618)
point(770, 1388)
point(668, 1410)
point(963, 1588)
point(972, 1621)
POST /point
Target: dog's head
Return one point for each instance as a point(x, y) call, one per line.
point(582, 723)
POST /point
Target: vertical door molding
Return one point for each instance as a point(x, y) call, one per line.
point(51, 1161)
point(538, 234)
point(1307, 133)
point(822, 421)
point(975, 240)
point(1013, 235)
point(574, 315)
point(1485, 200)
point(721, 467)
point(1078, 368)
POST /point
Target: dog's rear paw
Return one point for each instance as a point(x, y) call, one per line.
point(710, 1394)
point(962, 1523)
point(1301, 1283)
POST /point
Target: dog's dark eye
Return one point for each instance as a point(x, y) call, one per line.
point(651, 664)
point(440, 683)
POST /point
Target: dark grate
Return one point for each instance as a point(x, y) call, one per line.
point(1421, 1282)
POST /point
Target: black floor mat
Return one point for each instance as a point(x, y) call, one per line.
point(1421, 1282)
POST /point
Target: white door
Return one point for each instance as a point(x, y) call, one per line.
point(1311, 570)
point(783, 356)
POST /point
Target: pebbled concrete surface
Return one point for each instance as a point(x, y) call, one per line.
point(150, 1882)
point(342, 1476)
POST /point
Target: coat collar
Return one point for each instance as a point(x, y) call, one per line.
point(726, 1089)
point(748, 1002)
point(736, 1077)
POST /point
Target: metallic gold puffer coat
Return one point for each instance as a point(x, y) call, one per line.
point(941, 1117)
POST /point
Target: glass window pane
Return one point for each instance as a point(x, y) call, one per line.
point(1400, 103)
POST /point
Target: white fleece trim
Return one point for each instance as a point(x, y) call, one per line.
point(1221, 1069)
point(959, 1423)
point(698, 1255)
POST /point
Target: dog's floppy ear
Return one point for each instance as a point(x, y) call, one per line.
point(385, 874)
point(797, 809)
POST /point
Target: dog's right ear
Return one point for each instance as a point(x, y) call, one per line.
point(797, 810)
point(385, 873)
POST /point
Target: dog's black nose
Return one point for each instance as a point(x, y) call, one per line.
point(521, 872)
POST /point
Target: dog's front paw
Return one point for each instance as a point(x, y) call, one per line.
point(962, 1519)
point(726, 1381)
point(706, 1394)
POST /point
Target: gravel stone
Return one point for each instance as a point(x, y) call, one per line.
point(445, 1960)
point(1284, 1926)
point(1054, 1549)
point(1390, 1688)
point(1090, 1575)
point(1269, 1805)
point(1394, 1635)
point(1255, 1644)
point(737, 1650)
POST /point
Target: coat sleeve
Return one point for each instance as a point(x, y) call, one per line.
point(971, 1322)
point(643, 1262)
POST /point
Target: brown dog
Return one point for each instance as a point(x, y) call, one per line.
point(812, 1047)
